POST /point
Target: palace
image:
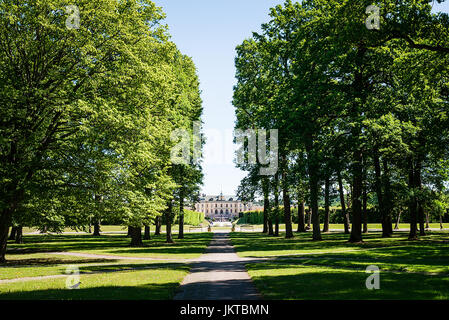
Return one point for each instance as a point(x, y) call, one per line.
point(222, 208)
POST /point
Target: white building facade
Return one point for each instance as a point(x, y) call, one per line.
point(221, 208)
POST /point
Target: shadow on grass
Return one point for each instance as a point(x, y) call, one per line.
point(142, 292)
point(286, 281)
point(193, 243)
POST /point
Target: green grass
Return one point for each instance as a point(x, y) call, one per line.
point(371, 226)
point(335, 269)
point(192, 246)
point(284, 281)
point(155, 284)
point(111, 228)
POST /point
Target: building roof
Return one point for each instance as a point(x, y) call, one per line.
point(221, 197)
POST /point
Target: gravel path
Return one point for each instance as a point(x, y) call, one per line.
point(219, 274)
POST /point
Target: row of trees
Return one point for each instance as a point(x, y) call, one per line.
point(356, 106)
point(87, 116)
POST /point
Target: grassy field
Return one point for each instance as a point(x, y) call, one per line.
point(117, 245)
point(158, 283)
point(371, 226)
point(100, 278)
point(300, 268)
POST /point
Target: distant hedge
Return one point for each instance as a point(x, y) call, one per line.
point(192, 218)
point(335, 216)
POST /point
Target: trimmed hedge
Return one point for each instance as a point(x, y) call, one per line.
point(192, 218)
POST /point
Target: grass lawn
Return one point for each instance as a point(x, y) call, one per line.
point(192, 246)
point(159, 284)
point(100, 278)
point(371, 226)
point(335, 269)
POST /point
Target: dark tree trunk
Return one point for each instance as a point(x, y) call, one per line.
point(136, 236)
point(168, 221)
point(388, 199)
point(286, 201)
point(181, 217)
point(12, 235)
point(301, 221)
point(270, 226)
point(129, 232)
point(19, 235)
point(427, 220)
point(309, 218)
point(158, 224)
point(413, 207)
point(398, 220)
point(441, 222)
point(276, 205)
point(266, 205)
point(357, 171)
point(5, 221)
point(365, 209)
point(342, 202)
point(380, 195)
point(326, 205)
point(147, 235)
point(96, 228)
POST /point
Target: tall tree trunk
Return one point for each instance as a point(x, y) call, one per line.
point(96, 228)
point(181, 215)
point(427, 220)
point(357, 171)
point(19, 235)
point(413, 207)
point(276, 205)
point(301, 222)
point(398, 220)
point(309, 219)
point(441, 222)
point(266, 204)
point(129, 232)
point(286, 201)
point(5, 221)
point(380, 194)
point(342, 203)
point(136, 236)
point(326, 205)
point(270, 225)
point(147, 235)
point(158, 224)
point(168, 221)
point(365, 209)
point(12, 235)
point(388, 202)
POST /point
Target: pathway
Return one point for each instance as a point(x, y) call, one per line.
point(219, 274)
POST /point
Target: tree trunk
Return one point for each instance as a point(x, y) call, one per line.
point(301, 221)
point(270, 225)
point(96, 228)
point(136, 236)
point(158, 224)
point(388, 203)
point(365, 209)
point(266, 205)
point(181, 216)
point(19, 235)
point(286, 201)
point(441, 222)
point(168, 221)
point(357, 171)
point(309, 219)
point(342, 203)
point(427, 220)
point(276, 205)
point(413, 208)
point(398, 220)
point(326, 205)
point(12, 235)
point(5, 221)
point(147, 235)
point(129, 232)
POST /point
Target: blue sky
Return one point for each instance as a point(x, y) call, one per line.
point(208, 31)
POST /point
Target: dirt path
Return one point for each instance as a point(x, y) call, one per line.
point(219, 274)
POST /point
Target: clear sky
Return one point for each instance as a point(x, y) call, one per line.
point(208, 31)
